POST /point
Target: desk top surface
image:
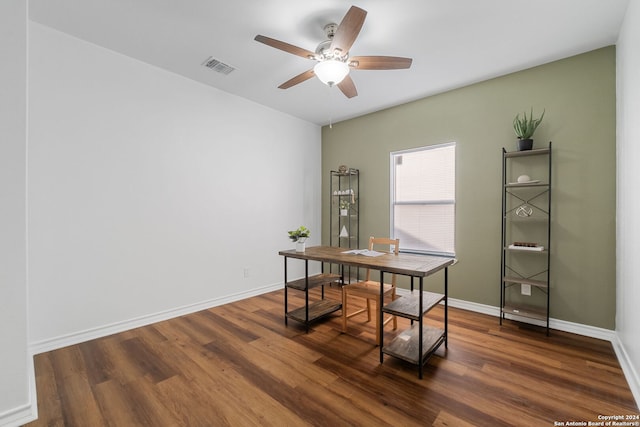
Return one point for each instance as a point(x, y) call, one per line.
point(405, 264)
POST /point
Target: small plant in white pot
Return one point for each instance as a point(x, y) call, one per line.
point(344, 208)
point(299, 236)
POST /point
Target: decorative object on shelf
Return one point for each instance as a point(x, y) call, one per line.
point(524, 178)
point(524, 211)
point(526, 244)
point(524, 128)
point(299, 236)
point(522, 246)
point(344, 208)
point(348, 192)
point(344, 232)
point(530, 182)
point(343, 169)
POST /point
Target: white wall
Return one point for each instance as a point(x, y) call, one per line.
point(150, 193)
point(16, 369)
point(628, 183)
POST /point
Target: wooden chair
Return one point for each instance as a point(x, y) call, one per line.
point(370, 290)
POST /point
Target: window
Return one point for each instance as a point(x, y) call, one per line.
point(423, 189)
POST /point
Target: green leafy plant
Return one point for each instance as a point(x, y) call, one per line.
point(344, 204)
point(525, 126)
point(300, 234)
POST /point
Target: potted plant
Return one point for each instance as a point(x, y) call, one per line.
point(299, 236)
point(344, 207)
point(524, 128)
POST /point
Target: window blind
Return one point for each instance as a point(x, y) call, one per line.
point(423, 199)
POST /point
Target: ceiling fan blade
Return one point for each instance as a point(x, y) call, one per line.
point(348, 29)
point(348, 87)
point(285, 46)
point(379, 62)
point(297, 79)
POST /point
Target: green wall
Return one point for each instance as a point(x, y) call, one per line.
point(578, 94)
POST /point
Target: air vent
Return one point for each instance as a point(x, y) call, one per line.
point(218, 66)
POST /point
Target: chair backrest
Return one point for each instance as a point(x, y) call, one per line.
point(384, 244)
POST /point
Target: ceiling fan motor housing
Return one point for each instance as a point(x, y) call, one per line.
point(323, 50)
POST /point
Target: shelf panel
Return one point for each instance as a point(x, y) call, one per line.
point(530, 251)
point(538, 221)
point(405, 345)
point(526, 185)
point(525, 153)
point(537, 283)
point(409, 306)
point(314, 281)
point(317, 310)
point(350, 172)
point(526, 311)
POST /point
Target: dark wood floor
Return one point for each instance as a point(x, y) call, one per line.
point(239, 365)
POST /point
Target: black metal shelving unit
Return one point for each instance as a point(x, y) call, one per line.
point(344, 215)
point(526, 235)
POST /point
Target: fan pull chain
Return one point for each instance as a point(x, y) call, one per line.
point(330, 105)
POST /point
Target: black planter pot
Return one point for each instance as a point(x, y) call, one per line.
point(525, 144)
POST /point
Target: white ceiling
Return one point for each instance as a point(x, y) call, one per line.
point(453, 43)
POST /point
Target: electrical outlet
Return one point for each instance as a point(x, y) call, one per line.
point(246, 273)
point(525, 289)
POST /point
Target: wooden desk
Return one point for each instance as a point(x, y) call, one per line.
point(407, 345)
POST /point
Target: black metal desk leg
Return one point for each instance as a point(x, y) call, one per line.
point(446, 307)
point(420, 326)
point(381, 320)
point(306, 293)
point(285, 291)
point(322, 271)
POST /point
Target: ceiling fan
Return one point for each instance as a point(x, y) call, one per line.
point(333, 57)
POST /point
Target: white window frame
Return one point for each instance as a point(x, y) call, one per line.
point(393, 203)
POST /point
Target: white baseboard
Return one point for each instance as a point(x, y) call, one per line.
point(630, 372)
point(102, 331)
point(49, 344)
point(18, 416)
point(560, 325)
point(28, 412)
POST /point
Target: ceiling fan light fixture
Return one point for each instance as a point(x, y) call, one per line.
point(331, 72)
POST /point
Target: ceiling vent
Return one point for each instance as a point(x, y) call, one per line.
point(218, 66)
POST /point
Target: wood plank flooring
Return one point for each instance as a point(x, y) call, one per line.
point(240, 365)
